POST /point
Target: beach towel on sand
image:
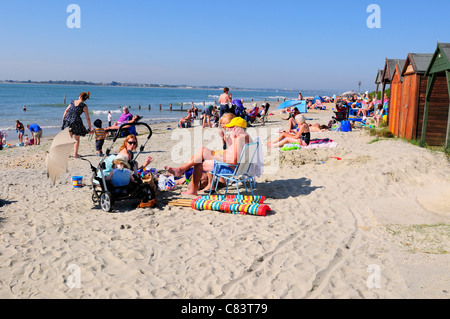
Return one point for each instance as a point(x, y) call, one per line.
point(316, 143)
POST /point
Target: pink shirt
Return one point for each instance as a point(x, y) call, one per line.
point(125, 117)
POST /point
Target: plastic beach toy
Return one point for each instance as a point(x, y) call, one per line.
point(290, 146)
point(77, 181)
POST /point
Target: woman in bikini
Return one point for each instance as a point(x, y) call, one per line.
point(302, 136)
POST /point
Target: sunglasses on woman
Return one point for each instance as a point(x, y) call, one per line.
point(132, 142)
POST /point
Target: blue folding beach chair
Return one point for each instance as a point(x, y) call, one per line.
point(236, 173)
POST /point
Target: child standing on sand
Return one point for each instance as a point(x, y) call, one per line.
point(100, 135)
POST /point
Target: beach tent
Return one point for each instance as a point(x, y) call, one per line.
point(413, 95)
point(301, 105)
point(436, 115)
point(394, 111)
point(317, 97)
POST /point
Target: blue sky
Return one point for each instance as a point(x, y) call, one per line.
point(253, 44)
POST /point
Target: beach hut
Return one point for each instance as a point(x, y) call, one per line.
point(395, 99)
point(413, 95)
point(388, 74)
point(436, 115)
point(378, 82)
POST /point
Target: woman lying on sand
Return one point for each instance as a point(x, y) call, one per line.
point(203, 159)
point(302, 136)
point(316, 127)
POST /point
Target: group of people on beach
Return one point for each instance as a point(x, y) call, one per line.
point(35, 130)
point(211, 114)
point(232, 122)
point(72, 120)
point(365, 106)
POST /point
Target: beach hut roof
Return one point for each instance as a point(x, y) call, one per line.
point(379, 77)
point(418, 61)
point(389, 68)
point(440, 60)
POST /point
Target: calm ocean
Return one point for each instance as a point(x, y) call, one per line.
point(45, 103)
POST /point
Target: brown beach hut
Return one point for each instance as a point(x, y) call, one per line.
point(436, 115)
point(413, 95)
point(389, 71)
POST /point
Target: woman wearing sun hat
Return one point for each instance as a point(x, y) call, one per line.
point(203, 160)
point(302, 136)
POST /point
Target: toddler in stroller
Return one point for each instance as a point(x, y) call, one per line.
point(120, 176)
point(112, 183)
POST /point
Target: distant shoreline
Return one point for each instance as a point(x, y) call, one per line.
point(147, 86)
point(162, 86)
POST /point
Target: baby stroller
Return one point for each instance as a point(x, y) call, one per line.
point(104, 193)
point(342, 112)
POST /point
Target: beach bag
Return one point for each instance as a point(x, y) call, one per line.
point(166, 182)
point(345, 126)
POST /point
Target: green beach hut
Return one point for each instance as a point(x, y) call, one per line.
point(436, 115)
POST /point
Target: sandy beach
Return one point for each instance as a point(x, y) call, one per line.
point(365, 219)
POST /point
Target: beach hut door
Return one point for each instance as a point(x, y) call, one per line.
point(404, 106)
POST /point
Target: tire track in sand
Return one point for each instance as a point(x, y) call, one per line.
point(342, 254)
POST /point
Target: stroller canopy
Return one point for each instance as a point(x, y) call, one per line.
point(238, 103)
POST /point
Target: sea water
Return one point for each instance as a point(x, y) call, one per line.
point(45, 103)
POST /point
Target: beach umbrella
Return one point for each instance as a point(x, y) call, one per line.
point(289, 103)
point(317, 97)
point(58, 157)
point(300, 105)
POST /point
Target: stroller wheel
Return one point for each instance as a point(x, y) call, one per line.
point(95, 198)
point(106, 201)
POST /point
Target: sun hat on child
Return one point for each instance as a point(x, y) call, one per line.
point(122, 159)
point(237, 121)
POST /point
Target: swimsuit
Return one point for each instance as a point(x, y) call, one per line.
point(306, 137)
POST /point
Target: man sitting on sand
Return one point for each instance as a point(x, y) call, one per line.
point(203, 159)
point(186, 120)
